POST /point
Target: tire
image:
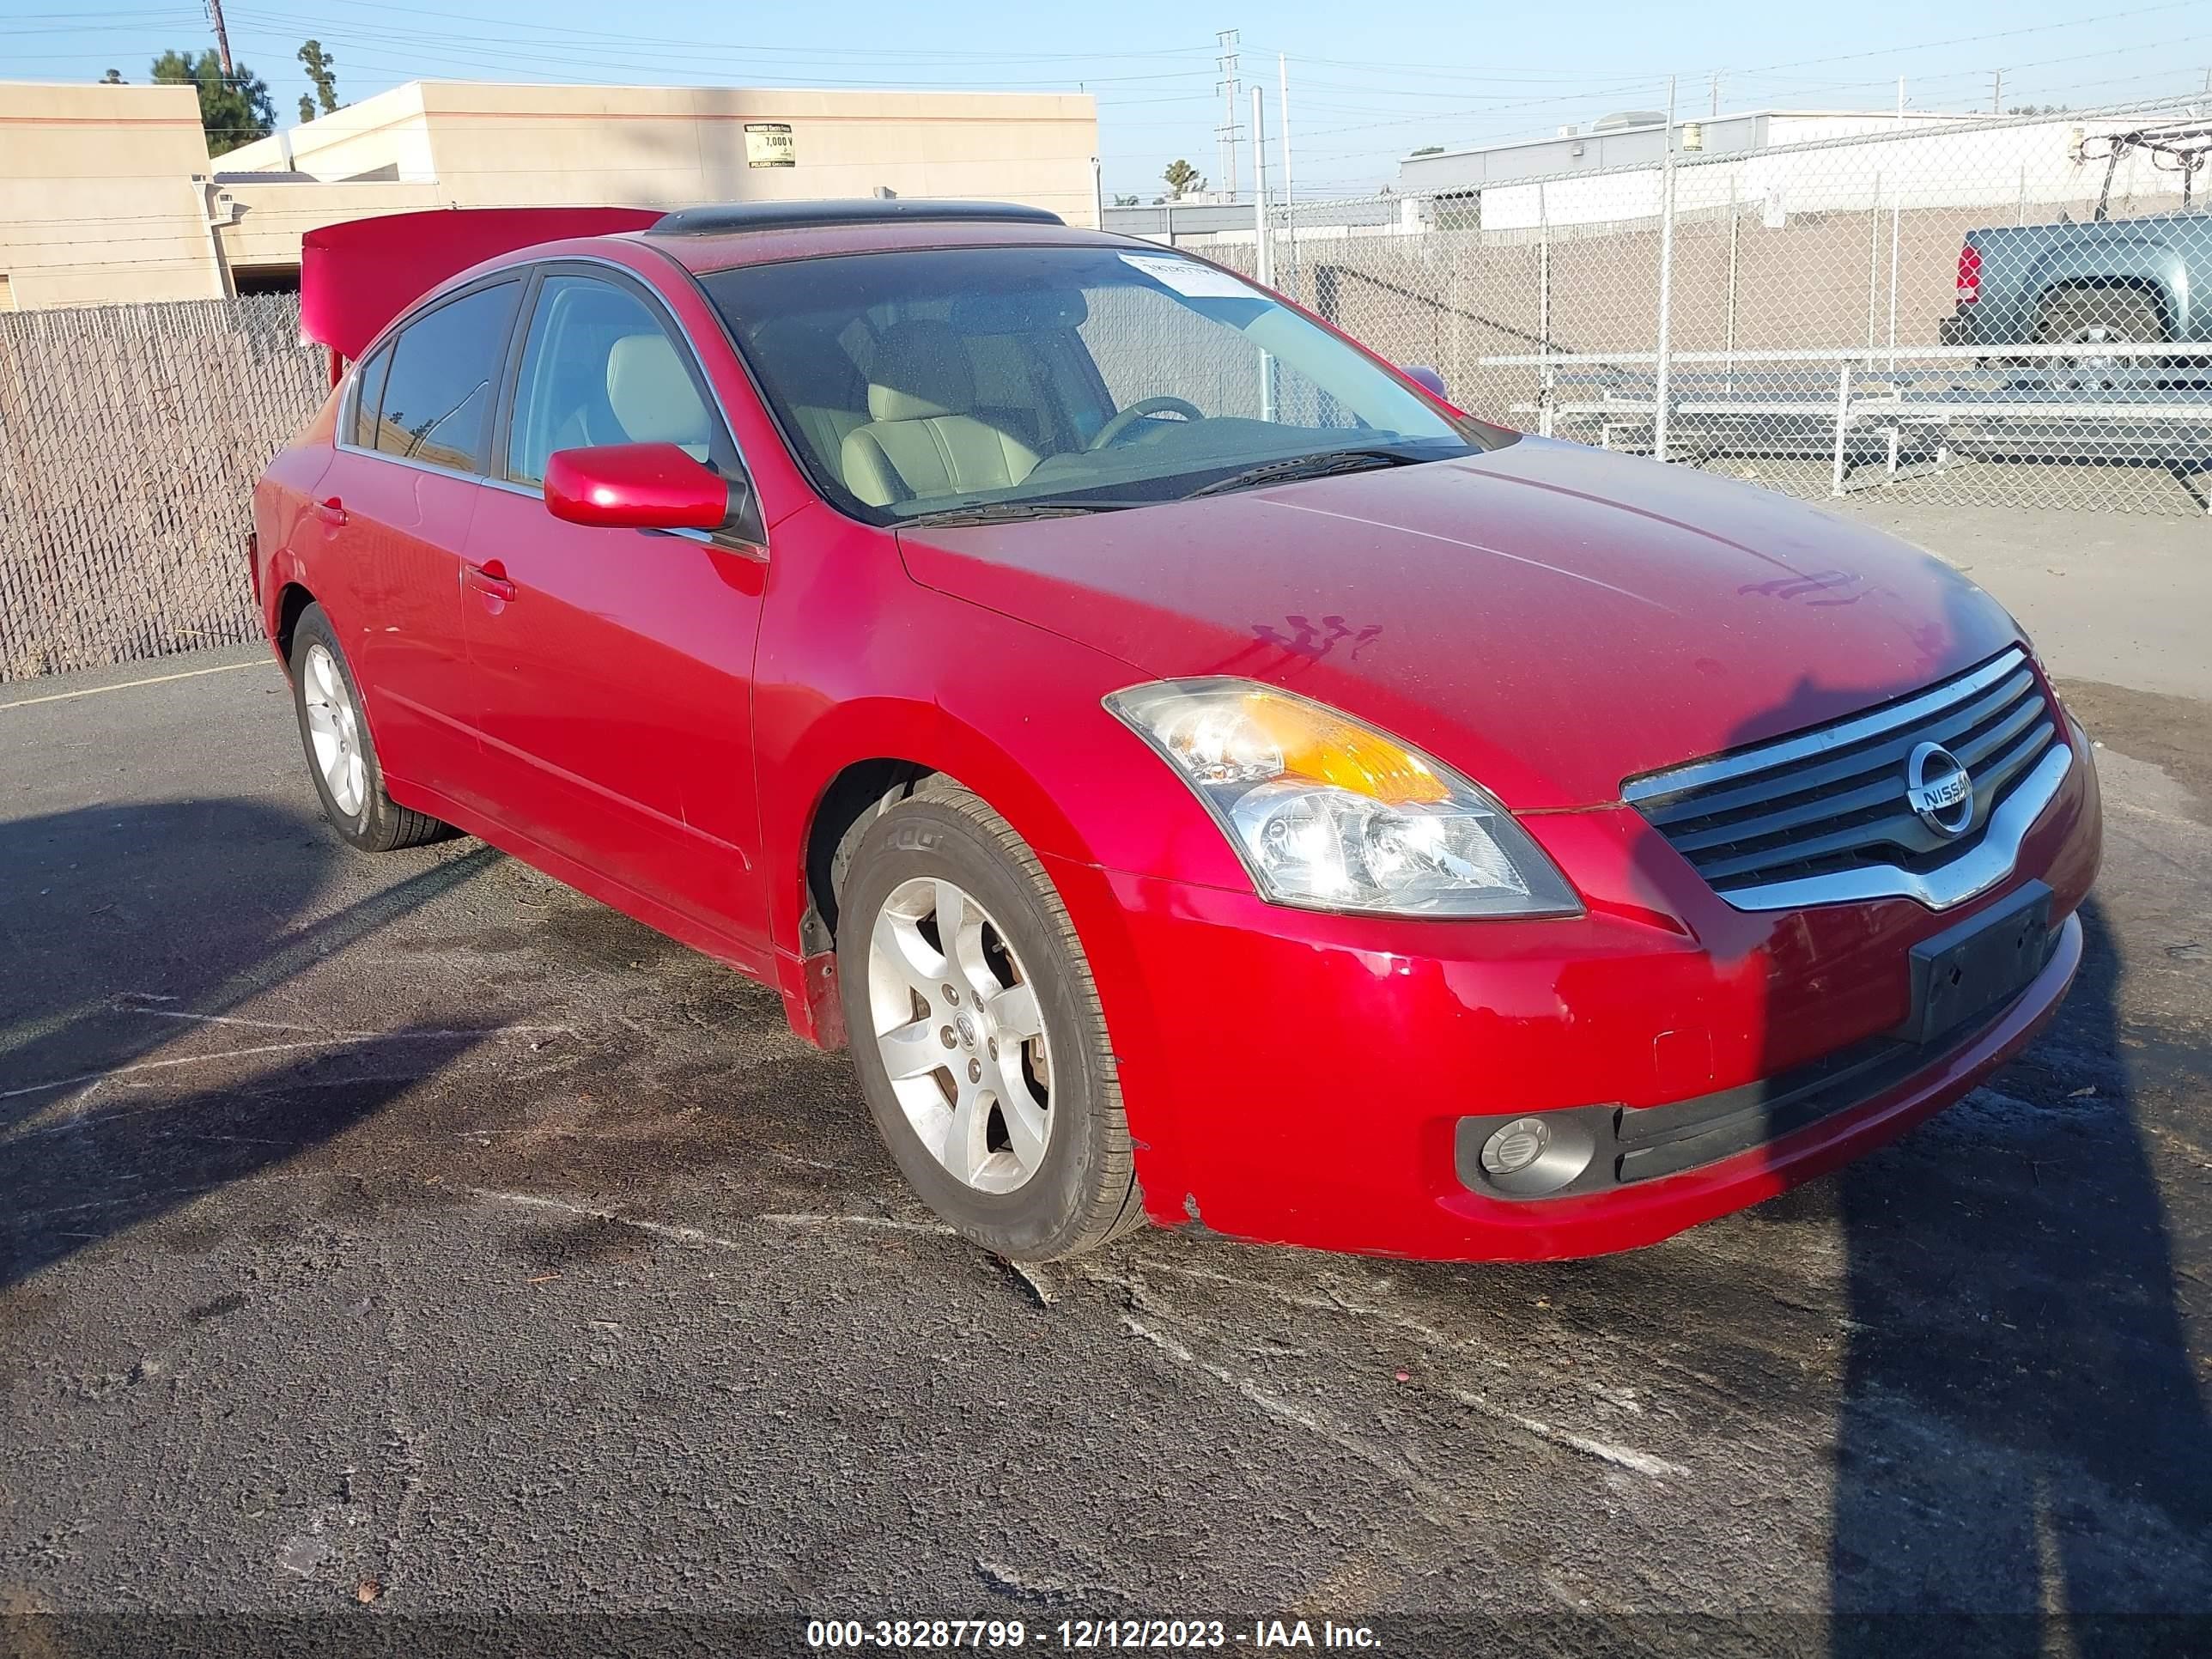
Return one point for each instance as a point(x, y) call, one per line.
point(1028, 1195)
point(2098, 316)
point(342, 760)
point(2118, 316)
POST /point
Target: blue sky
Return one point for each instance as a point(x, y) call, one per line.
point(1366, 84)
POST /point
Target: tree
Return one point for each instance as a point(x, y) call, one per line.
point(1430, 149)
point(322, 74)
point(234, 109)
point(1182, 178)
point(113, 78)
point(1125, 201)
point(307, 109)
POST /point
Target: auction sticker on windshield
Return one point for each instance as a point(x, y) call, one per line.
point(1187, 276)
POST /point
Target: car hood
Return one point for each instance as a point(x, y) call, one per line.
point(1549, 619)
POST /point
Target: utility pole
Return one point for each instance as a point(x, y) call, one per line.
point(1283, 121)
point(1662, 368)
point(1265, 263)
point(222, 38)
point(1716, 93)
point(1261, 230)
point(1996, 92)
point(1227, 87)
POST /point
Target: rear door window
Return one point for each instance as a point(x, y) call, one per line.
point(437, 395)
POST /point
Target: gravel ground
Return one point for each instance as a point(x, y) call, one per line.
point(408, 1238)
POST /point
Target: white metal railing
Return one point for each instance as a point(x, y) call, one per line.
point(1887, 389)
point(1756, 294)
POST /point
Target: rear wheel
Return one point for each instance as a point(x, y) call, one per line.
point(2098, 316)
point(978, 1032)
point(341, 756)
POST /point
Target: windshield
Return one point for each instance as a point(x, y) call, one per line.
point(1001, 381)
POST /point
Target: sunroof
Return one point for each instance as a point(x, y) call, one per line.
point(721, 218)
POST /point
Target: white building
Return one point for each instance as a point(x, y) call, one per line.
point(1786, 162)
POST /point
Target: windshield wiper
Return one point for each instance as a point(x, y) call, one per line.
point(1309, 466)
point(1010, 512)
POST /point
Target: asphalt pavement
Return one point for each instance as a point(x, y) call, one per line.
point(407, 1237)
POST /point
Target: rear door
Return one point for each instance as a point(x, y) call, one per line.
point(395, 508)
point(613, 668)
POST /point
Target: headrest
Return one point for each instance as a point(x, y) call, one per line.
point(652, 396)
point(805, 352)
point(921, 371)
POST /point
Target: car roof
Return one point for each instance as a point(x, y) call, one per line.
point(356, 278)
point(702, 252)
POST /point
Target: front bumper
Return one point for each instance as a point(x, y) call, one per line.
point(1302, 1078)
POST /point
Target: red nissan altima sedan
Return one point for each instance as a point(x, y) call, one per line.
point(1199, 773)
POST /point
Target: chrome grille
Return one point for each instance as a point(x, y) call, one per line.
point(1823, 814)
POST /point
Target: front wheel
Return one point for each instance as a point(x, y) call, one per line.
point(976, 1029)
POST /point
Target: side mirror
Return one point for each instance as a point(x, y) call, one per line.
point(636, 487)
point(1422, 375)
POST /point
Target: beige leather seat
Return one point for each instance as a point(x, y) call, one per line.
point(652, 395)
point(831, 391)
point(922, 437)
point(825, 428)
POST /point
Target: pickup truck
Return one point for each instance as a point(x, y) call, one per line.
point(2098, 282)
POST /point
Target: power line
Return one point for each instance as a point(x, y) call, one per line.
point(691, 47)
point(1886, 82)
point(594, 66)
point(2088, 20)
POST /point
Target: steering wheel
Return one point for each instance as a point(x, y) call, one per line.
point(1137, 411)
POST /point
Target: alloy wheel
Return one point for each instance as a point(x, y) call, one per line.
point(957, 1024)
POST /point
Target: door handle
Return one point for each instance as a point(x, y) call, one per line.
point(331, 511)
point(488, 579)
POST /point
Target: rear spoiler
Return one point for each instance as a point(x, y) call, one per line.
point(356, 277)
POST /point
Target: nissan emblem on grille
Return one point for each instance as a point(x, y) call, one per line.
point(1927, 796)
point(1940, 790)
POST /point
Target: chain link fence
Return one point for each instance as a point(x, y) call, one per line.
point(130, 437)
point(2011, 312)
point(1984, 311)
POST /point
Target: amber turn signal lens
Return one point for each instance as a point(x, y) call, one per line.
point(1323, 749)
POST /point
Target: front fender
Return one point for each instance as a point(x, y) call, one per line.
point(858, 663)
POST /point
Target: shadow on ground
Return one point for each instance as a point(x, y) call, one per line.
point(135, 933)
point(2018, 1371)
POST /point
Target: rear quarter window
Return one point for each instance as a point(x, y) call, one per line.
point(369, 398)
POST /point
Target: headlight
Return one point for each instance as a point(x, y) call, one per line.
point(1332, 815)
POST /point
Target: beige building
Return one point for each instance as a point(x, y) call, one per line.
point(106, 193)
point(103, 197)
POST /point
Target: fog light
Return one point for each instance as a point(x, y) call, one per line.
point(1515, 1146)
point(1532, 1157)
